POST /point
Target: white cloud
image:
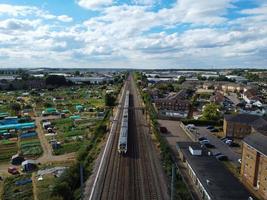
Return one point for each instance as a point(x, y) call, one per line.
point(65, 18)
point(121, 35)
point(15, 11)
point(18, 25)
point(145, 2)
point(94, 4)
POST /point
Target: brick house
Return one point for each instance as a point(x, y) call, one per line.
point(232, 87)
point(241, 125)
point(176, 102)
point(254, 163)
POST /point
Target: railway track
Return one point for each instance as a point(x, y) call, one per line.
point(133, 176)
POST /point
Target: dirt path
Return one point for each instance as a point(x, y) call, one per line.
point(48, 156)
point(34, 190)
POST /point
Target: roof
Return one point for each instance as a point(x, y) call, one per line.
point(218, 182)
point(18, 126)
point(252, 120)
point(241, 118)
point(49, 110)
point(257, 141)
point(28, 162)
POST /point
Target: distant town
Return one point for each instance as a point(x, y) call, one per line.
point(133, 134)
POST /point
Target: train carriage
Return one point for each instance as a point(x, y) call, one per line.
point(123, 139)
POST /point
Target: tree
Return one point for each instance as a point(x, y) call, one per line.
point(211, 112)
point(201, 78)
point(56, 80)
point(181, 79)
point(110, 100)
point(252, 77)
point(15, 107)
point(77, 73)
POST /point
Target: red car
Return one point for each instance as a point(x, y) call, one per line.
point(13, 170)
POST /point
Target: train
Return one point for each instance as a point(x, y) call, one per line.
point(123, 139)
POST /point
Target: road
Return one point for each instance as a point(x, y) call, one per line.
point(137, 175)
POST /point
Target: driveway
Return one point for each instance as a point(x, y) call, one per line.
point(220, 146)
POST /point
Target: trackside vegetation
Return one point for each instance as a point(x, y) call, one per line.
point(165, 151)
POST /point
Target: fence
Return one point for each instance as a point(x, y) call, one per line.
point(191, 135)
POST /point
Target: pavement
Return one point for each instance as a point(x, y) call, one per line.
point(220, 145)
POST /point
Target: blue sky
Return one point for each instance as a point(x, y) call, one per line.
point(133, 33)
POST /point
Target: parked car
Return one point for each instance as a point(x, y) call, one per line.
point(163, 129)
point(234, 144)
point(217, 154)
point(13, 170)
point(210, 127)
point(210, 146)
point(222, 158)
point(214, 130)
point(202, 138)
point(229, 141)
point(204, 142)
point(225, 139)
point(190, 126)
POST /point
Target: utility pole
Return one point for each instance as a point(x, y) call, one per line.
point(173, 183)
point(81, 179)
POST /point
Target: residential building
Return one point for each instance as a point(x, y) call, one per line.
point(241, 125)
point(211, 180)
point(217, 98)
point(251, 97)
point(254, 163)
point(232, 87)
point(174, 102)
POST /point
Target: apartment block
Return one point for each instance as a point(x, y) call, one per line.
point(254, 163)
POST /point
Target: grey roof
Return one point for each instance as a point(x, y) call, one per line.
point(221, 184)
point(252, 120)
point(242, 118)
point(257, 141)
point(28, 162)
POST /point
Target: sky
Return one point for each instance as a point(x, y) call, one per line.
point(133, 33)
